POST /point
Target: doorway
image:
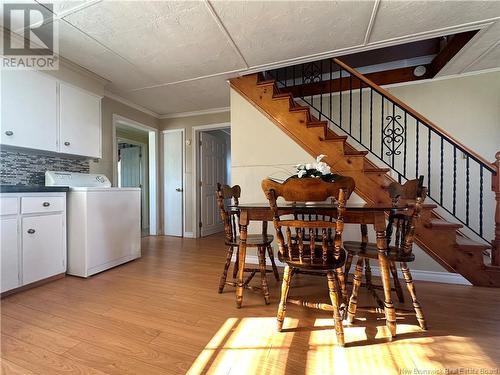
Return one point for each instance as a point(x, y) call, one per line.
point(134, 165)
point(212, 165)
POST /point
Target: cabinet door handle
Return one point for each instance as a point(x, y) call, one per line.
point(9, 133)
point(31, 231)
point(67, 143)
point(45, 204)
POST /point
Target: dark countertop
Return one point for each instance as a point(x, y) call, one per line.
point(32, 189)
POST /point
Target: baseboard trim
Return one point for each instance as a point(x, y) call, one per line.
point(420, 275)
point(189, 234)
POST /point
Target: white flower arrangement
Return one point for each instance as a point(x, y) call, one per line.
point(319, 169)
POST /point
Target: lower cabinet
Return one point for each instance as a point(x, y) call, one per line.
point(42, 247)
point(11, 277)
point(33, 238)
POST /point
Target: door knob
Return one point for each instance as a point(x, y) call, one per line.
point(31, 231)
point(46, 204)
point(178, 189)
point(67, 143)
point(9, 133)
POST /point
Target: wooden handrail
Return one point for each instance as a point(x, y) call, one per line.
point(487, 164)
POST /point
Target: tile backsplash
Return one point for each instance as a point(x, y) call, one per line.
point(28, 167)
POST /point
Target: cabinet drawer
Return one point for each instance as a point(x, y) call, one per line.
point(9, 206)
point(30, 205)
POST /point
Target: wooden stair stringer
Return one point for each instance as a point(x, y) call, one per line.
point(440, 244)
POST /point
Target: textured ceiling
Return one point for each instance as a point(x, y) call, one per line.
point(175, 56)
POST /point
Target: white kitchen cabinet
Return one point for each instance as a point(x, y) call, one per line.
point(10, 254)
point(80, 122)
point(33, 237)
point(29, 110)
point(42, 247)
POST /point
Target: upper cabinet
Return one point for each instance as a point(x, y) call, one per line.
point(42, 113)
point(80, 118)
point(29, 110)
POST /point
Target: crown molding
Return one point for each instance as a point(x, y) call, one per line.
point(195, 113)
point(131, 104)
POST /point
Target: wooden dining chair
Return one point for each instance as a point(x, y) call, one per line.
point(308, 254)
point(400, 235)
point(262, 241)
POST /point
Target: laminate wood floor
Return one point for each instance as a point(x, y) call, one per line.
point(162, 315)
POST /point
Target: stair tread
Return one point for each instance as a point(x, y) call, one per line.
point(333, 137)
point(355, 153)
point(299, 108)
point(376, 170)
point(266, 82)
point(312, 124)
point(443, 224)
point(282, 95)
point(467, 243)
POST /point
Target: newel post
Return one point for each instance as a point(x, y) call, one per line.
point(495, 251)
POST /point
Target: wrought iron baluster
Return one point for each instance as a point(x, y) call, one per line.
point(340, 98)
point(480, 200)
point(360, 111)
point(350, 104)
point(416, 149)
point(429, 160)
point(371, 119)
point(454, 180)
point(321, 91)
point(330, 86)
point(467, 190)
point(442, 170)
point(393, 132)
point(382, 130)
point(404, 154)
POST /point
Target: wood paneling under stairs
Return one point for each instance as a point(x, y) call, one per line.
point(442, 242)
point(161, 314)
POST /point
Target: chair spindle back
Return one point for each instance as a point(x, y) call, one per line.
point(229, 217)
point(317, 237)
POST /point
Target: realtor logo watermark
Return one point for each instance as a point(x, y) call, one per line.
point(30, 37)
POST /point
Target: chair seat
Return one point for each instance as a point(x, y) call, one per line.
point(253, 240)
point(369, 250)
point(317, 261)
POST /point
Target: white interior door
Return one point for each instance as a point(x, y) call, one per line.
point(212, 171)
point(173, 183)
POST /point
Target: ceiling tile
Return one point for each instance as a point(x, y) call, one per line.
point(184, 97)
point(271, 31)
point(86, 52)
point(171, 40)
point(480, 44)
point(402, 18)
point(490, 60)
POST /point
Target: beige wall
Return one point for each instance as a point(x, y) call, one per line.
point(467, 107)
point(188, 123)
point(108, 108)
point(260, 149)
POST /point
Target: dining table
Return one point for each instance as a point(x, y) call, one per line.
point(356, 213)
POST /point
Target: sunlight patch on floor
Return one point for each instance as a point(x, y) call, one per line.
point(252, 345)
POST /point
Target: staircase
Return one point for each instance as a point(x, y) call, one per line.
point(445, 241)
